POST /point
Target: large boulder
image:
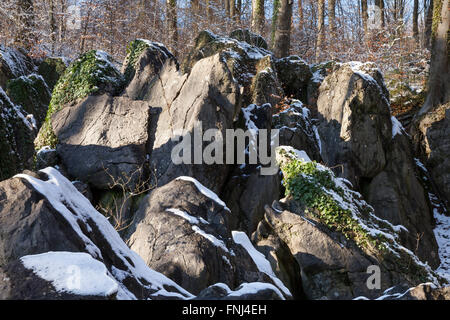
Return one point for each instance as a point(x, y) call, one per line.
point(22, 283)
point(13, 63)
point(51, 69)
point(93, 73)
point(17, 132)
point(104, 139)
point(142, 66)
point(296, 129)
point(368, 146)
point(249, 37)
point(247, 190)
point(252, 67)
point(187, 106)
point(32, 94)
point(47, 226)
point(333, 235)
point(294, 73)
point(355, 122)
point(182, 230)
point(319, 72)
point(431, 135)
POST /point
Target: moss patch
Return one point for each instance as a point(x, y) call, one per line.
point(16, 139)
point(30, 92)
point(92, 73)
point(304, 182)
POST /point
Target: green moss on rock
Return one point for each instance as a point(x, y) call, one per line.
point(329, 201)
point(92, 73)
point(32, 94)
point(16, 138)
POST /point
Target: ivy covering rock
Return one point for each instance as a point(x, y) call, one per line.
point(319, 195)
point(92, 73)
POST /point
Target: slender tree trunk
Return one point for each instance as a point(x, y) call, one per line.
point(53, 27)
point(439, 79)
point(320, 28)
point(238, 10)
point(282, 41)
point(380, 5)
point(365, 17)
point(428, 24)
point(258, 16)
point(416, 20)
point(275, 13)
point(300, 15)
point(332, 16)
point(232, 9)
point(62, 23)
point(209, 13)
point(171, 9)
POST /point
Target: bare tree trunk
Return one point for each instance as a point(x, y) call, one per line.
point(209, 13)
point(53, 27)
point(62, 23)
point(25, 22)
point(332, 16)
point(365, 16)
point(439, 80)
point(380, 5)
point(428, 24)
point(172, 27)
point(232, 9)
point(300, 15)
point(275, 13)
point(282, 41)
point(416, 20)
point(238, 10)
point(320, 28)
point(258, 16)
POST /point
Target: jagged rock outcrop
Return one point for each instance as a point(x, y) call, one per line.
point(297, 130)
point(104, 139)
point(333, 236)
point(51, 69)
point(252, 67)
point(45, 212)
point(32, 94)
point(55, 245)
point(182, 230)
point(91, 74)
point(294, 73)
point(205, 99)
point(369, 147)
point(319, 72)
point(13, 63)
point(249, 37)
point(431, 137)
point(142, 67)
